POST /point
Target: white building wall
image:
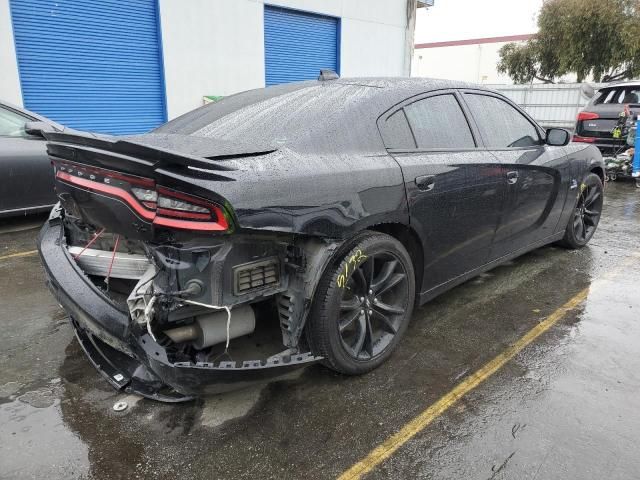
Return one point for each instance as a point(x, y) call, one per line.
point(370, 49)
point(216, 47)
point(10, 90)
point(470, 63)
point(210, 47)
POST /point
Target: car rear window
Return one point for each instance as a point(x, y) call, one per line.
point(619, 95)
point(331, 116)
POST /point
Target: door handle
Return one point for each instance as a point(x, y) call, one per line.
point(512, 177)
point(426, 183)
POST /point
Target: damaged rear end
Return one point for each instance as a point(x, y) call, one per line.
point(168, 295)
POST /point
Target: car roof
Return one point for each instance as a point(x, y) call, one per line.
point(397, 89)
point(629, 83)
point(378, 95)
point(403, 82)
point(306, 112)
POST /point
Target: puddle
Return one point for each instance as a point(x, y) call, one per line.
point(222, 408)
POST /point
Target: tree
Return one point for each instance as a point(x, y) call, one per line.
point(598, 38)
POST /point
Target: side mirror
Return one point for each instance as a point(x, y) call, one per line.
point(38, 128)
point(557, 137)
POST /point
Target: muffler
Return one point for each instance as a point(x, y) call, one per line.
point(211, 328)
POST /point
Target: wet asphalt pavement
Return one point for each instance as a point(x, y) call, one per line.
point(566, 407)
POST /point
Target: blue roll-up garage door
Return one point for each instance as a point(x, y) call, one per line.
point(91, 65)
point(297, 45)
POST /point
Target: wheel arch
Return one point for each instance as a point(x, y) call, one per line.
point(411, 241)
point(598, 171)
point(326, 254)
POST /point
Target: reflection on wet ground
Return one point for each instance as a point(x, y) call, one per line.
point(566, 407)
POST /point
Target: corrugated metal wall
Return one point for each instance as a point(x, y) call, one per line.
point(297, 45)
point(91, 65)
point(553, 105)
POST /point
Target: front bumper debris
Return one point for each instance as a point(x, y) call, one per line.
point(137, 363)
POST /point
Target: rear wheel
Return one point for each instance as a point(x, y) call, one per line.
point(363, 304)
point(586, 214)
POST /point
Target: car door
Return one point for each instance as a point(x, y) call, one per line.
point(534, 172)
point(454, 186)
point(26, 175)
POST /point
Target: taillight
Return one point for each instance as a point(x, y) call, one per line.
point(587, 116)
point(160, 205)
point(179, 210)
point(578, 138)
point(145, 194)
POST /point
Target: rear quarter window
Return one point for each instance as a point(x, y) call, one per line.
point(396, 133)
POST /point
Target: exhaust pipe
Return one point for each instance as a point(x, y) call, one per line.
point(211, 328)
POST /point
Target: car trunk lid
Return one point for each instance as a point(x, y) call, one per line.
point(151, 187)
point(600, 120)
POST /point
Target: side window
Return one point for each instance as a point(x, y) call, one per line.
point(617, 96)
point(631, 95)
point(500, 124)
point(606, 96)
point(396, 132)
point(12, 123)
point(438, 122)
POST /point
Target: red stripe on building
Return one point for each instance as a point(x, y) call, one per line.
point(476, 41)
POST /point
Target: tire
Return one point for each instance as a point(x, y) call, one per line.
point(363, 304)
point(586, 214)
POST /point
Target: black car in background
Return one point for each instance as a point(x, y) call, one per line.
point(597, 120)
point(26, 176)
point(298, 223)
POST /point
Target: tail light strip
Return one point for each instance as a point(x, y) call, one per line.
point(587, 116)
point(158, 216)
point(578, 138)
point(109, 190)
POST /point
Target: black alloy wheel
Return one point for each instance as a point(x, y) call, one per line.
point(372, 305)
point(363, 304)
point(586, 214)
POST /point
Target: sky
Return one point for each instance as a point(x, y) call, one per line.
point(464, 19)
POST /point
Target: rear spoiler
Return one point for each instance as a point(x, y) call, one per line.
point(138, 154)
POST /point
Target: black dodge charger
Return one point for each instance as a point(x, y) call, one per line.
point(298, 223)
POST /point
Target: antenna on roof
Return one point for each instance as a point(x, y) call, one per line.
point(326, 74)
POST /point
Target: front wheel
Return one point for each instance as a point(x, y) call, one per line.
point(363, 304)
point(586, 214)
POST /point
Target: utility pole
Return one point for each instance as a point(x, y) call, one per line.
point(409, 35)
point(410, 31)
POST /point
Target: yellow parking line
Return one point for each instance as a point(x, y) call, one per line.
point(419, 423)
point(19, 254)
point(395, 441)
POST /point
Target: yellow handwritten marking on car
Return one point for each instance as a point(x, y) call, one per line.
point(419, 423)
point(354, 261)
point(19, 254)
